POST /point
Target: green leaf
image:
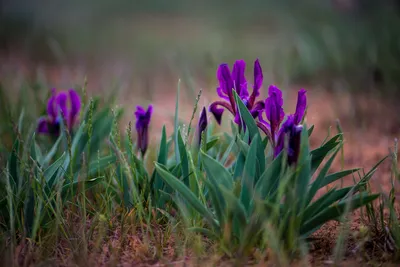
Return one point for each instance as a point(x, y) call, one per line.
point(336, 176)
point(334, 212)
point(13, 166)
point(239, 166)
point(99, 165)
point(304, 174)
point(316, 185)
point(52, 152)
point(243, 146)
point(87, 184)
point(212, 143)
point(236, 207)
point(325, 201)
point(216, 171)
point(246, 116)
point(161, 159)
point(227, 152)
point(310, 130)
point(188, 195)
point(176, 124)
point(52, 173)
point(318, 155)
point(249, 173)
point(269, 180)
point(184, 158)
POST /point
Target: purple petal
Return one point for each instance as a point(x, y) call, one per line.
point(239, 78)
point(283, 131)
point(42, 126)
point(61, 101)
point(51, 105)
point(217, 112)
point(274, 112)
point(257, 108)
point(273, 89)
point(75, 106)
point(258, 77)
point(301, 106)
point(143, 117)
point(225, 79)
point(202, 125)
point(221, 94)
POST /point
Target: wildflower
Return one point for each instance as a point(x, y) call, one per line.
point(68, 104)
point(143, 118)
point(237, 81)
point(292, 132)
point(202, 125)
point(290, 129)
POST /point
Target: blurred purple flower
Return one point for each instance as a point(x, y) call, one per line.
point(237, 81)
point(202, 125)
point(67, 104)
point(143, 118)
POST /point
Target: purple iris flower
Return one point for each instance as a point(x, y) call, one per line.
point(237, 81)
point(67, 104)
point(143, 118)
point(202, 125)
point(292, 132)
point(291, 127)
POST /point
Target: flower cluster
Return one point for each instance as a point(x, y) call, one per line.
point(66, 104)
point(272, 107)
point(290, 129)
point(280, 132)
point(237, 81)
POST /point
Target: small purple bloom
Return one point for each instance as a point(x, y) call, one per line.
point(301, 106)
point(67, 104)
point(237, 81)
point(202, 125)
point(290, 132)
point(143, 118)
point(290, 129)
point(274, 110)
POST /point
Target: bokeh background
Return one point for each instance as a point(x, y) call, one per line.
point(346, 53)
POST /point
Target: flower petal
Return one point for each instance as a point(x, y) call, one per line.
point(217, 112)
point(274, 112)
point(239, 79)
point(221, 94)
point(202, 124)
point(42, 126)
point(301, 106)
point(258, 79)
point(61, 101)
point(226, 83)
point(275, 90)
point(75, 106)
point(51, 105)
point(258, 108)
point(225, 78)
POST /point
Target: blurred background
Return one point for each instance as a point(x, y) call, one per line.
point(344, 52)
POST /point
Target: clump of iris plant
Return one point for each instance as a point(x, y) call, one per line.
point(201, 126)
point(237, 81)
point(67, 104)
point(143, 118)
point(290, 130)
